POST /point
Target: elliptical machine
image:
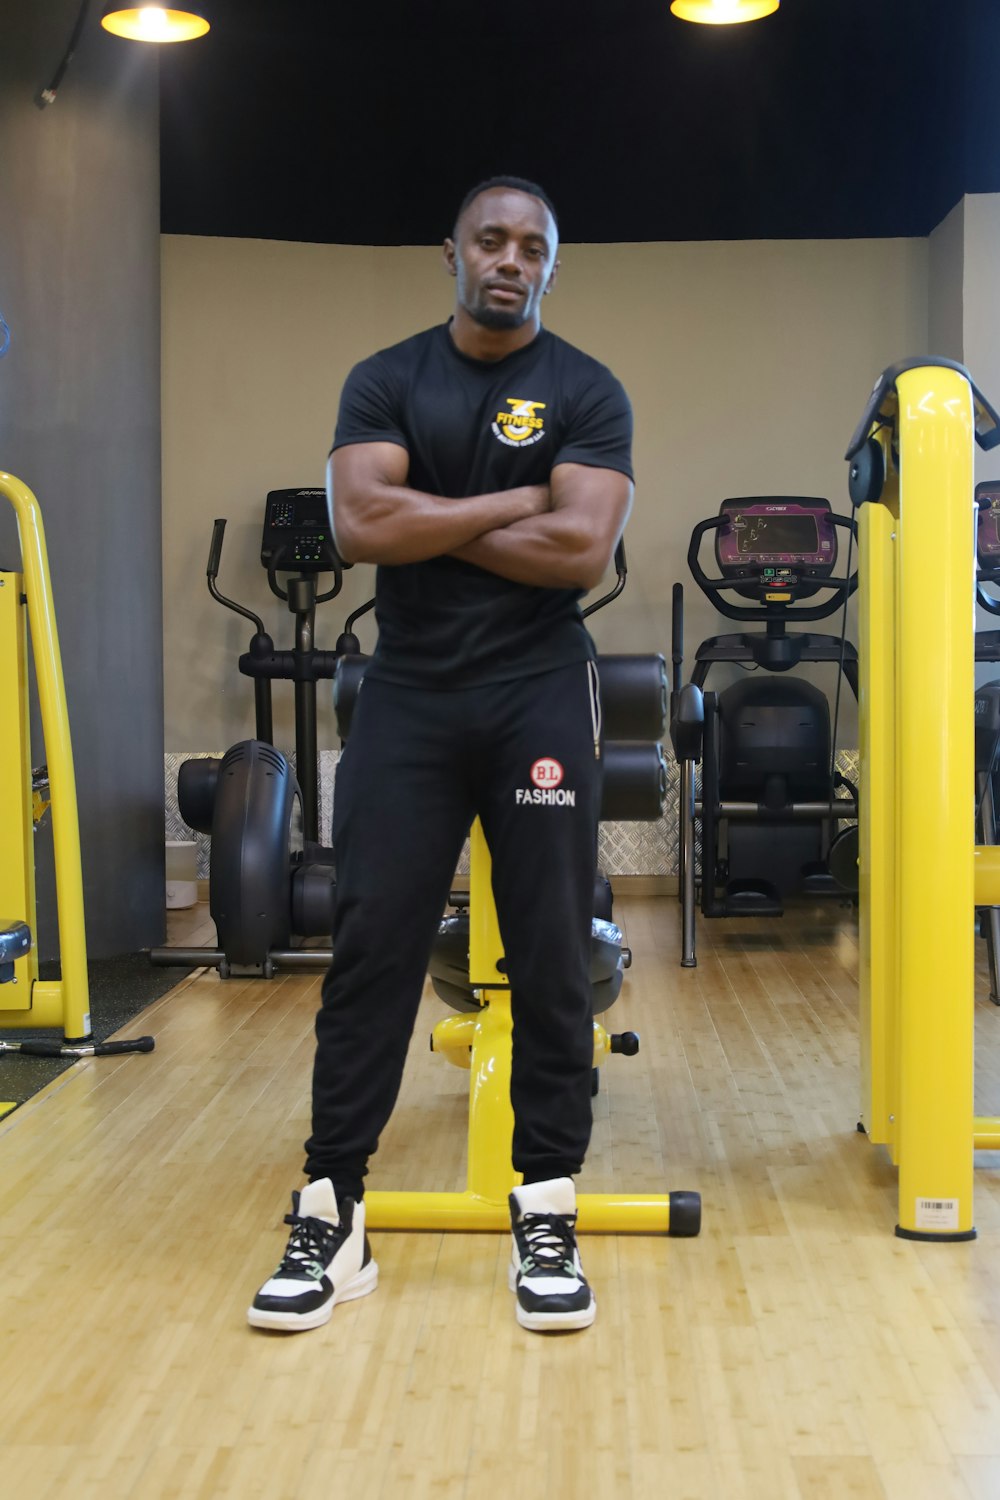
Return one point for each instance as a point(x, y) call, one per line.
point(271, 881)
point(769, 809)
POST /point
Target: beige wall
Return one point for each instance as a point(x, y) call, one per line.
point(981, 290)
point(748, 365)
point(945, 289)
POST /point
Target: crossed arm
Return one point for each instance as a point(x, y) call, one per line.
point(559, 535)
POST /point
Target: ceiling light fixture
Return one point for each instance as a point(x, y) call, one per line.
point(141, 23)
point(155, 23)
point(723, 12)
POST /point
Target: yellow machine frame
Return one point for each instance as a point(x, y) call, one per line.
point(490, 1175)
point(920, 874)
point(29, 1001)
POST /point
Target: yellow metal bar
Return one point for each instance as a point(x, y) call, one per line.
point(598, 1213)
point(877, 840)
point(485, 943)
point(934, 757)
point(17, 865)
point(602, 1044)
point(48, 1007)
point(6, 1107)
point(986, 876)
point(59, 758)
point(986, 1133)
point(491, 1115)
point(453, 1038)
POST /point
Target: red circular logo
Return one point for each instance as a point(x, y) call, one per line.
point(546, 772)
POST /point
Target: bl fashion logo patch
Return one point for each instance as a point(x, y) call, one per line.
point(520, 427)
point(547, 789)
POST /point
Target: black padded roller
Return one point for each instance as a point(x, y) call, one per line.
point(197, 782)
point(635, 783)
point(633, 697)
point(346, 686)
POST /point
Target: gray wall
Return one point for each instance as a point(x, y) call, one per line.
point(80, 424)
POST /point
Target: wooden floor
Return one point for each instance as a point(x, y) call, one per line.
point(796, 1349)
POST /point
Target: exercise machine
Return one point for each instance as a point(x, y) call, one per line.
point(770, 804)
point(272, 882)
point(26, 794)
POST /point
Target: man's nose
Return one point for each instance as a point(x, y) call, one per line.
point(510, 261)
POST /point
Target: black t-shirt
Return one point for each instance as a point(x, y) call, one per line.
point(473, 427)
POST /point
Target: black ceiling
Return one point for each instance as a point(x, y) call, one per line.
point(364, 121)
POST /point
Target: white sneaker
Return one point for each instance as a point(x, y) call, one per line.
point(545, 1271)
point(328, 1260)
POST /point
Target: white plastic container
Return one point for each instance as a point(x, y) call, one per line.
point(182, 873)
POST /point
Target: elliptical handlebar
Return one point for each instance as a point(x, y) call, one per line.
point(677, 636)
point(215, 550)
point(621, 574)
point(211, 573)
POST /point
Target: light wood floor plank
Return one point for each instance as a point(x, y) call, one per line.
point(795, 1349)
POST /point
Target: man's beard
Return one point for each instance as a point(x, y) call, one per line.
point(499, 317)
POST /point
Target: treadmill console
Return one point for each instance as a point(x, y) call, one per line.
point(779, 549)
point(988, 528)
point(297, 532)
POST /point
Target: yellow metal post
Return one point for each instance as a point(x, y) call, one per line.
point(65, 1002)
point(17, 865)
point(491, 1116)
point(935, 790)
point(877, 833)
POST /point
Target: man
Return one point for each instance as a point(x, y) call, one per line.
point(485, 466)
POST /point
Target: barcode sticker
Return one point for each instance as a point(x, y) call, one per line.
point(937, 1213)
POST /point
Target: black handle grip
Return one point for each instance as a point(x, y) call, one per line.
point(113, 1049)
point(215, 550)
point(677, 635)
point(38, 1049)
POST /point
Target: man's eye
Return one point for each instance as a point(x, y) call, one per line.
point(488, 244)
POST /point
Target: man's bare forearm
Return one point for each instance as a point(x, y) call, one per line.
point(570, 545)
point(548, 551)
point(392, 524)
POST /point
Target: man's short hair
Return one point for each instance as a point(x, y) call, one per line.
point(519, 184)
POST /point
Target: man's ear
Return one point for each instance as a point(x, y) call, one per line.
point(552, 279)
point(448, 252)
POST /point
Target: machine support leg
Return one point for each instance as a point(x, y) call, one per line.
point(689, 959)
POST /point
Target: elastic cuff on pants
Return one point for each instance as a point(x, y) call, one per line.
point(549, 1171)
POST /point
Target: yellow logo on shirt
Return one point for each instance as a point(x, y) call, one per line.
point(520, 427)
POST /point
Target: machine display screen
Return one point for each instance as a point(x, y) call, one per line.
point(759, 534)
point(761, 531)
point(988, 524)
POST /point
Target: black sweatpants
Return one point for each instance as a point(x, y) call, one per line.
point(419, 765)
